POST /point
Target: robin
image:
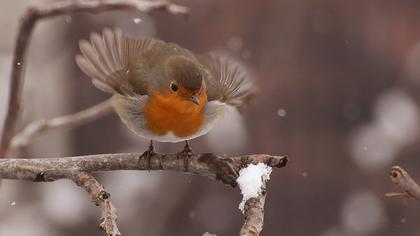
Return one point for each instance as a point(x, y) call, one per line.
point(162, 91)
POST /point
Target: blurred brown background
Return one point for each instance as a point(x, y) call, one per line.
point(339, 84)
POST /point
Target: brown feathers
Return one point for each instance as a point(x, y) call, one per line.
point(129, 66)
point(187, 72)
point(228, 81)
point(110, 60)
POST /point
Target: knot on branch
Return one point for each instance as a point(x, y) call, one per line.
point(226, 169)
point(44, 176)
point(396, 174)
point(103, 195)
point(40, 177)
point(403, 180)
point(100, 198)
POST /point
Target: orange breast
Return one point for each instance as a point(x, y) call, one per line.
point(168, 112)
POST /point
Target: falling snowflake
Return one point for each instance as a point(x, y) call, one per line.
point(281, 112)
point(136, 20)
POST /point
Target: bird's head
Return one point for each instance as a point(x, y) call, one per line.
point(183, 87)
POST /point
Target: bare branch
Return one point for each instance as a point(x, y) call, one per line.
point(28, 21)
point(79, 170)
point(102, 199)
point(215, 167)
point(254, 215)
point(23, 138)
point(402, 179)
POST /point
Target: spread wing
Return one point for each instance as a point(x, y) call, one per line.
point(114, 61)
point(228, 82)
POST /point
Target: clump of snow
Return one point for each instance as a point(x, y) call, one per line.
point(251, 180)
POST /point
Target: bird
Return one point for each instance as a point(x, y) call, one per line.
point(162, 91)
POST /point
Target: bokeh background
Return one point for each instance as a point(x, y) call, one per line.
point(339, 84)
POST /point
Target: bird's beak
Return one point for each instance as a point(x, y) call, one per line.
point(194, 99)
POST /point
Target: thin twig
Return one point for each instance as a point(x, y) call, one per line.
point(402, 179)
point(79, 170)
point(102, 199)
point(28, 21)
point(254, 214)
point(397, 194)
point(23, 138)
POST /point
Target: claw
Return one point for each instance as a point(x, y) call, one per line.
point(148, 154)
point(186, 153)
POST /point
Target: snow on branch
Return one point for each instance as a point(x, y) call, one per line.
point(252, 182)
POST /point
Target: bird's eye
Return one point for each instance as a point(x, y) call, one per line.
point(174, 87)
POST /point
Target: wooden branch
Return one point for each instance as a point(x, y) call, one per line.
point(102, 199)
point(402, 179)
point(28, 21)
point(79, 170)
point(254, 215)
point(215, 167)
point(23, 138)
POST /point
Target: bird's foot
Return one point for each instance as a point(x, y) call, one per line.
point(149, 153)
point(186, 153)
point(187, 149)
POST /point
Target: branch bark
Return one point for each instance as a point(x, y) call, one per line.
point(28, 21)
point(102, 199)
point(215, 167)
point(403, 180)
point(31, 131)
point(254, 215)
point(80, 168)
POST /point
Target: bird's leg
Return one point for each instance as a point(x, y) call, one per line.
point(151, 147)
point(148, 154)
point(186, 153)
point(187, 149)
